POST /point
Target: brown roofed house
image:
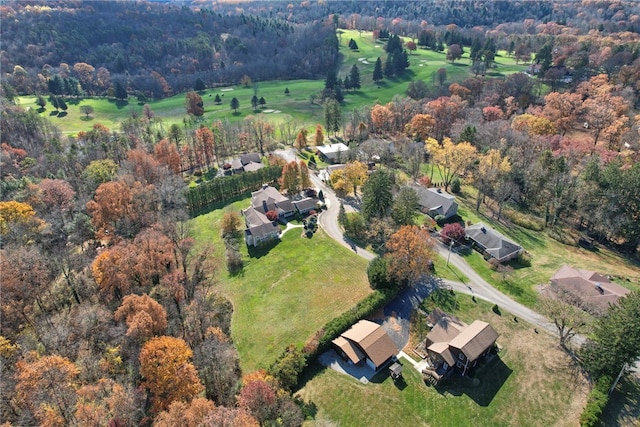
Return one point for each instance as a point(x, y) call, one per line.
point(452, 342)
point(259, 228)
point(366, 341)
point(593, 291)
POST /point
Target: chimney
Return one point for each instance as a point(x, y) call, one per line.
point(264, 206)
point(484, 230)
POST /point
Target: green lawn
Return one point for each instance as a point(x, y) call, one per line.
point(529, 384)
point(286, 294)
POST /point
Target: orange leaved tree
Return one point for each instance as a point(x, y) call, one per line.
point(168, 373)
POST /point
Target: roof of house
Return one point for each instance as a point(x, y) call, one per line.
point(258, 225)
point(253, 166)
point(250, 157)
point(442, 348)
point(236, 164)
point(493, 242)
point(373, 340)
point(591, 287)
point(434, 198)
point(446, 328)
point(272, 198)
point(475, 339)
point(350, 349)
point(331, 151)
point(305, 204)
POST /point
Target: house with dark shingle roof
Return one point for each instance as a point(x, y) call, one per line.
point(305, 205)
point(493, 243)
point(592, 290)
point(333, 153)
point(367, 342)
point(453, 343)
point(434, 202)
point(258, 227)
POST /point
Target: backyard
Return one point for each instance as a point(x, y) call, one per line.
point(532, 383)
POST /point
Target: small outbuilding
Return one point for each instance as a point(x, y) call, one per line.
point(366, 342)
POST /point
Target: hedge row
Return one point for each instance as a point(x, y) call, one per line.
point(596, 401)
point(218, 190)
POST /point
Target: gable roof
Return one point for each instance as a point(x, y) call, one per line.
point(372, 339)
point(350, 349)
point(446, 329)
point(331, 151)
point(305, 204)
point(253, 166)
point(272, 198)
point(475, 339)
point(434, 198)
point(442, 348)
point(258, 225)
point(593, 288)
point(494, 243)
point(250, 157)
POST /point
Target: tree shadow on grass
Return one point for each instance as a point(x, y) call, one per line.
point(86, 118)
point(483, 387)
point(62, 114)
point(54, 113)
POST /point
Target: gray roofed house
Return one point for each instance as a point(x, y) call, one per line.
point(333, 153)
point(593, 291)
point(252, 167)
point(493, 243)
point(268, 198)
point(250, 157)
point(259, 228)
point(435, 201)
point(305, 205)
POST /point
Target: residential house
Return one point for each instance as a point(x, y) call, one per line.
point(493, 243)
point(268, 198)
point(333, 153)
point(592, 291)
point(247, 162)
point(366, 342)
point(434, 202)
point(305, 205)
point(452, 343)
point(258, 227)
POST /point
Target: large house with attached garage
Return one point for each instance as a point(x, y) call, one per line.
point(269, 199)
point(493, 243)
point(366, 342)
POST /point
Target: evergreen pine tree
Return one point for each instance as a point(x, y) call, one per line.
point(354, 77)
point(377, 71)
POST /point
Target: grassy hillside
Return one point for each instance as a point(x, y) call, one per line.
point(284, 294)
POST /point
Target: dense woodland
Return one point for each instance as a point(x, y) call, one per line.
point(105, 296)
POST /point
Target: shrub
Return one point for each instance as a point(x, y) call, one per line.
point(596, 401)
point(523, 220)
point(378, 274)
point(440, 219)
point(355, 226)
point(455, 185)
point(494, 264)
point(272, 215)
point(425, 181)
point(288, 366)
point(496, 309)
point(453, 231)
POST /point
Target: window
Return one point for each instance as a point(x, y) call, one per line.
point(461, 356)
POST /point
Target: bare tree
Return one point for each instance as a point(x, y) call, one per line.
point(569, 320)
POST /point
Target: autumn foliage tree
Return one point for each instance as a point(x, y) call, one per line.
point(453, 232)
point(107, 402)
point(451, 159)
point(259, 398)
point(47, 388)
point(167, 372)
point(144, 316)
point(185, 414)
point(194, 104)
point(420, 126)
point(409, 253)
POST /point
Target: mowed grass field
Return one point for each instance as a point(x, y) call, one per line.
point(532, 383)
point(285, 295)
point(280, 107)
